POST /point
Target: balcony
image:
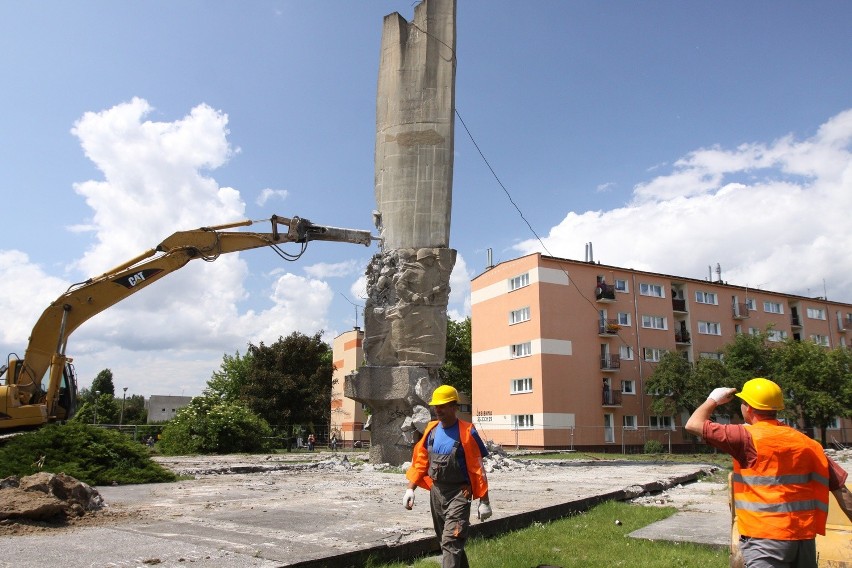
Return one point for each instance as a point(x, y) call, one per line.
point(611, 398)
point(795, 321)
point(610, 363)
point(678, 305)
point(682, 336)
point(609, 327)
point(604, 292)
point(740, 311)
point(844, 324)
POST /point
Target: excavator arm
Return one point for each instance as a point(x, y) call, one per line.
point(24, 403)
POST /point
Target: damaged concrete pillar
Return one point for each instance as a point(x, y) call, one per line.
point(405, 321)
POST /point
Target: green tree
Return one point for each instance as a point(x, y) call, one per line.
point(103, 383)
point(209, 425)
point(746, 357)
point(134, 410)
point(104, 405)
point(228, 382)
point(815, 381)
point(676, 385)
point(456, 370)
point(290, 381)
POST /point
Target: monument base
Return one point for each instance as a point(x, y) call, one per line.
point(398, 398)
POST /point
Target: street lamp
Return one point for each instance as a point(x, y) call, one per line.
point(97, 394)
point(123, 398)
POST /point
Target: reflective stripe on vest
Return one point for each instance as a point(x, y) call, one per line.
point(784, 495)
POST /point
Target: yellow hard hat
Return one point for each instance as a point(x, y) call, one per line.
point(762, 394)
point(444, 394)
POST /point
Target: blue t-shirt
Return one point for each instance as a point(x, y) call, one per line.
point(443, 440)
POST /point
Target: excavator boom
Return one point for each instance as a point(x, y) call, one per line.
point(22, 400)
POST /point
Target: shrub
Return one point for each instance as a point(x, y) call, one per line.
point(93, 455)
point(209, 425)
point(654, 447)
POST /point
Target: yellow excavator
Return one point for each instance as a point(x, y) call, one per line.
point(23, 401)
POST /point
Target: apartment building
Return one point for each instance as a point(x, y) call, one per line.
point(562, 348)
point(347, 416)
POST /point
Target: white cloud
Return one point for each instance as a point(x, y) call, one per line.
point(168, 338)
point(459, 304)
point(334, 270)
point(25, 291)
point(774, 214)
point(358, 290)
point(267, 194)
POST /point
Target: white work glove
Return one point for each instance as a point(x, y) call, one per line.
point(408, 499)
point(483, 513)
point(722, 395)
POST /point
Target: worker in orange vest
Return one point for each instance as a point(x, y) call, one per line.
point(781, 477)
point(447, 460)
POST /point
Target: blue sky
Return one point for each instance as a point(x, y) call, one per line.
point(672, 135)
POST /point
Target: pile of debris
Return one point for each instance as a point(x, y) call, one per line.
point(46, 497)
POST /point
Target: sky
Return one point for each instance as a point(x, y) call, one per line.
point(672, 135)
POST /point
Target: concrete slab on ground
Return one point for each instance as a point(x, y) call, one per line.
point(325, 513)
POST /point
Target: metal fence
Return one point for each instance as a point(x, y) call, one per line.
point(620, 439)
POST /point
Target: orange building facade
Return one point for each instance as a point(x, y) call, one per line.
point(347, 415)
point(561, 348)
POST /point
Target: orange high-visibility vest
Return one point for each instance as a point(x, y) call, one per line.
point(418, 472)
point(785, 495)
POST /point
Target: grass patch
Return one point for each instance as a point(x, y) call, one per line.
point(93, 455)
point(588, 540)
point(718, 459)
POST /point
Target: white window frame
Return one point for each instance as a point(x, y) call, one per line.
point(518, 350)
point(751, 304)
point(625, 352)
point(521, 386)
point(655, 322)
point(773, 307)
point(820, 339)
point(628, 386)
point(519, 316)
point(776, 335)
point(816, 313)
point(709, 328)
point(621, 285)
point(520, 281)
point(653, 290)
point(623, 319)
point(661, 423)
point(710, 298)
point(629, 422)
point(655, 352)
point(522, 422)
point(710, 355)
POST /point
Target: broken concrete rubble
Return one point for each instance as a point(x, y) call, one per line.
point(46, 496)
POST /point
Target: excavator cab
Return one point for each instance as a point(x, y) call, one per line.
point(67, 396)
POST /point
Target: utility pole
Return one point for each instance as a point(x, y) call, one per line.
point(123, 398)
point(97, 395)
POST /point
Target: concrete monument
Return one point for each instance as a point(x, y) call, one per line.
point(405, 318)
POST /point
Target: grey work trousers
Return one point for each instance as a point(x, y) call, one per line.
point(769, 553)
point(451, 517)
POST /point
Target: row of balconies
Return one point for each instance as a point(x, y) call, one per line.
point(605, 293)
